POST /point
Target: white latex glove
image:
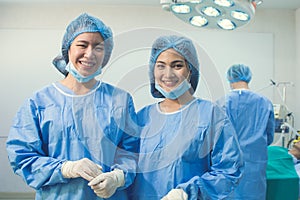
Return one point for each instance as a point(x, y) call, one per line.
point(84, 168)
point(176, 194)
point(106, 184)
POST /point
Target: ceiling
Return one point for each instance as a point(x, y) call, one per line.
point(281, 4)
point(268, 4)
point(278, 4)
point(274, 4)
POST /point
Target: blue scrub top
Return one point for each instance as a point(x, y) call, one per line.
point(252, 116)
point(55, 125)
point(195, 149)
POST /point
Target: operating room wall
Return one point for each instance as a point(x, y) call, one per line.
point(297, 78)
point(22, 25)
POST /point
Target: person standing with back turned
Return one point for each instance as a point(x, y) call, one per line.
point(252, 116)
point(74, 139)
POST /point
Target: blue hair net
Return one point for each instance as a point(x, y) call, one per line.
point(60, 64)
point(239, 72)
point(84, 23)
point(182, 45)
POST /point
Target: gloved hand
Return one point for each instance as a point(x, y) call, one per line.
point(84, 168)
point(106, 184)
point(176, 194)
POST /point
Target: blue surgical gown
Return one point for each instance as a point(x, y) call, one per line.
point(252, 116)
point(195, 149)
point(54, 125)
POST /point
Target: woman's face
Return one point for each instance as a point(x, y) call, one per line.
point(170, 69)
point(87, 52)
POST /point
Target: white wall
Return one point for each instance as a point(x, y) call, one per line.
point(283, 25)
point(273, 32)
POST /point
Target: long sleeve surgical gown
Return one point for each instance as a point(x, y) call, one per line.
point(195, 149)
point(252, 116)
point(55, 125)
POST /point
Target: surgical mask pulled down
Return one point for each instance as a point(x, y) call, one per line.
point(176, 92)
point(79, 77)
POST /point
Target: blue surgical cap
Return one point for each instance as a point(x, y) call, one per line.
point(182, 45)
point(239, 72)
point(84, 23)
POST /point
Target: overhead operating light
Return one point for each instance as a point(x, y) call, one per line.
point(214, 14)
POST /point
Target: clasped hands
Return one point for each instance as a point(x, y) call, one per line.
point(103, 184)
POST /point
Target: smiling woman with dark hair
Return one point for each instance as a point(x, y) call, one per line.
point(188, 148)
point(75, 139)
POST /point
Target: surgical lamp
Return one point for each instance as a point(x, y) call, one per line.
point(213, 14)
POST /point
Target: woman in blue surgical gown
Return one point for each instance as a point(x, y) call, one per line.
point(188, 148)
point(75, 139)
point(253, 119)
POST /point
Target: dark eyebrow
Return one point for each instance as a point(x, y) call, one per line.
point(81, 41)
point(160, 62)
point(175, 61)
point(98, 43)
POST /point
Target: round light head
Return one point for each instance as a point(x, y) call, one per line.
point(181, 8)
point(211, 11)
point(240, 15)
point(198, 21)
point(224, 3)
point(226, 24)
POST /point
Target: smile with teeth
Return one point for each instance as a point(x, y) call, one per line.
point(87, 64)
point(169, 83)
